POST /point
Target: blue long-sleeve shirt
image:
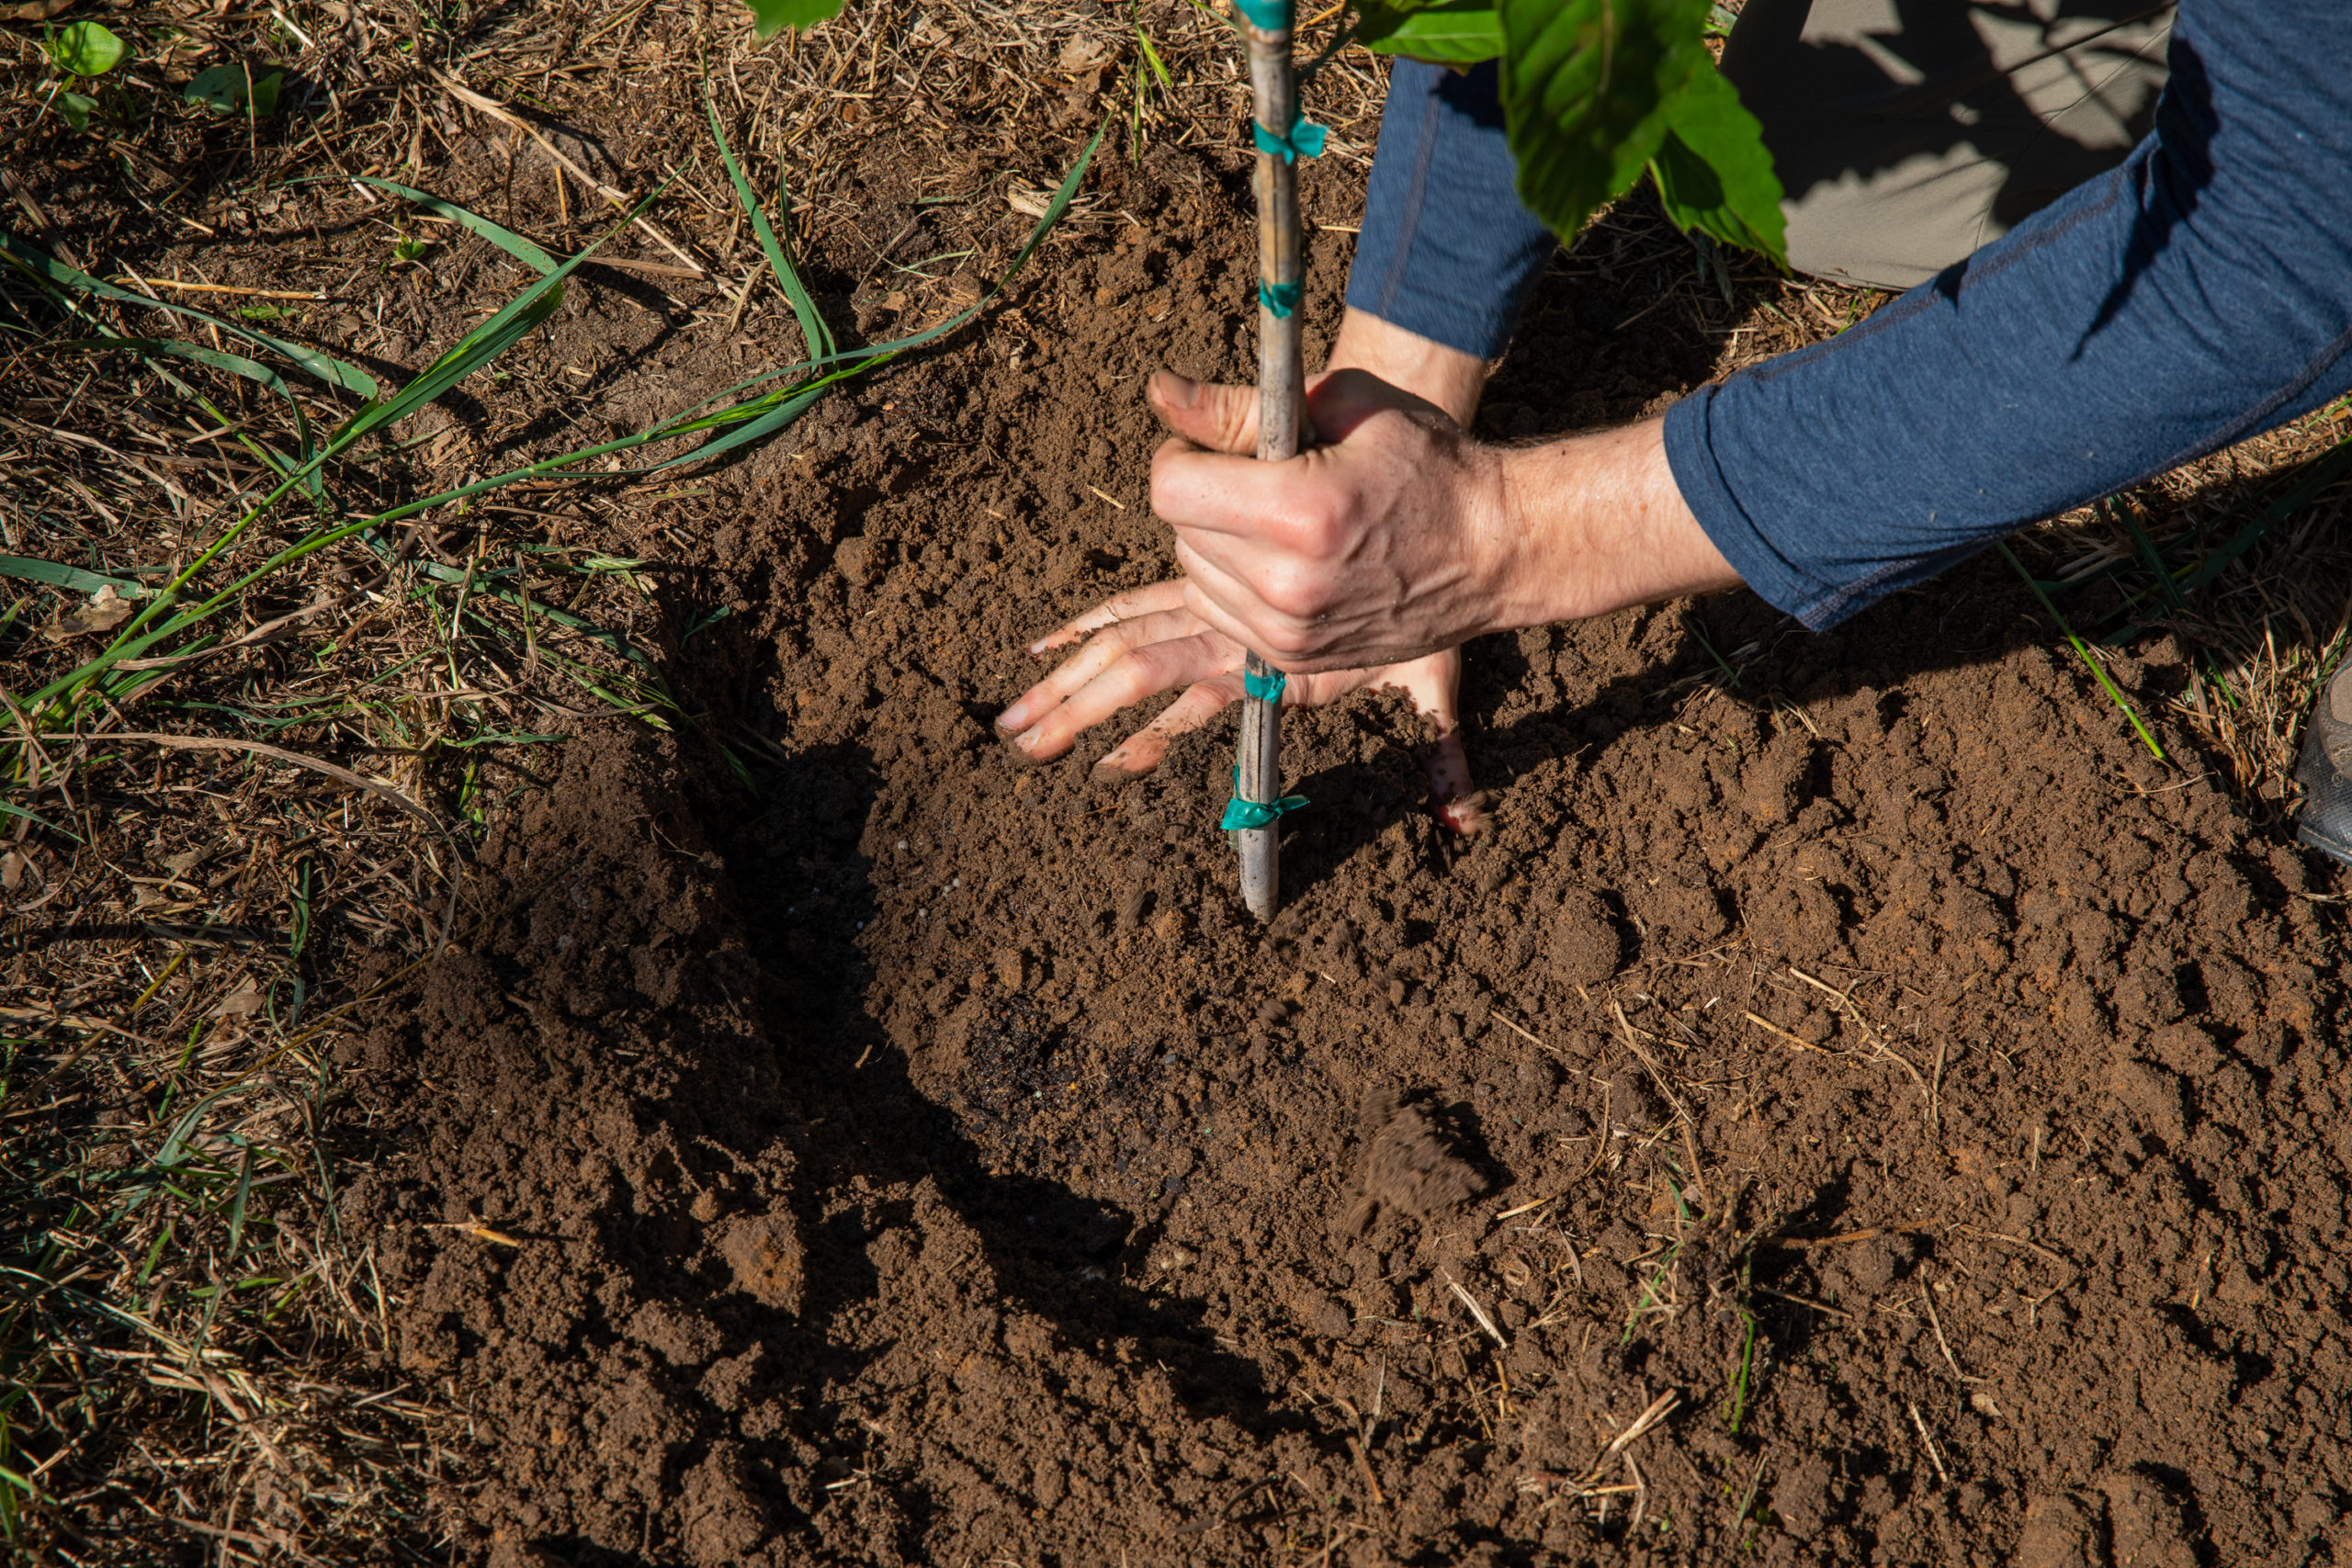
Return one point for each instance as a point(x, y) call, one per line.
point(2198, 294)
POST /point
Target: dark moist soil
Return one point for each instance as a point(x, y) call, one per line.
point(1881, 1066)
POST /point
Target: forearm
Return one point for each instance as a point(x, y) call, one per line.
point(1593, 524)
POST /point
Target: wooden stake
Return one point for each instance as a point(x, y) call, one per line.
point(1282, 405)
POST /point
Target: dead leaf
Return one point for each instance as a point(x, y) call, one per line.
point(36, 10)
point(242, 1002)
point(105, 611)
point(1083, 53)
point(11, 871)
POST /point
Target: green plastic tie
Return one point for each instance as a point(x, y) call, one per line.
point(1268, 16)
point(1304, 140)
point(1282, 298)
point(1265, 688)
point(1241, 814)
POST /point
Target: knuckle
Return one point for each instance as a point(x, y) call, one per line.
point(1317, 521)
point(1292, 594)
point(1150, 668)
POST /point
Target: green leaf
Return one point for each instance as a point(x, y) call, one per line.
point(1712, 171)
point(771, 17)
point(86, 49)
point(1595, 91)
point(231, 89)
point(1586, 85)
point(1450, 32)
point(75, 109)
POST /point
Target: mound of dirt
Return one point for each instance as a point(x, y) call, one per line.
point(923, 1158)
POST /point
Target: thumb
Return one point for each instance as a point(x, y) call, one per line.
point(1223, 419)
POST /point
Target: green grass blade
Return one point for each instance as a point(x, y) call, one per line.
point(2082, 649)
point(43, 267)
point(25, 569)
point(507, 240)
point(873, 357)
point(8, 810)
point(2120, 510)
point(235, 363)
point(1167, 82)
point(813, 331)
point(479, 347)
point(237, 1208)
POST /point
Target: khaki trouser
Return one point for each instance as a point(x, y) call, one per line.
point(1909, 133)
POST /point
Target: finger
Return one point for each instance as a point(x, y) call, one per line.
point(1107, 649)
point(1452, 800)
point(1434, 684)
point(1148, 747)
point(1221, 418)
point(1134, 604)
point(1209, 588)
point(1205, 491)
point(1226, 600)
point(1158, 666)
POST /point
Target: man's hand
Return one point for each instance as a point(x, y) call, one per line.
point(1400, 534)
point(1384, 539)
point(1142, 643)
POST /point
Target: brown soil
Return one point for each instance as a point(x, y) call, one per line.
point(923, 1159)
point(1871, 1066)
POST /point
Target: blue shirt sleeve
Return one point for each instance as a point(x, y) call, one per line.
point(1447, 251)
point(2199, 294)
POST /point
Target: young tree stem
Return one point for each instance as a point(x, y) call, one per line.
point(1282, 401)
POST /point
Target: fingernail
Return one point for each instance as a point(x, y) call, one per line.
point(1178, 392)
point(1026, 740)
point(1013, 719)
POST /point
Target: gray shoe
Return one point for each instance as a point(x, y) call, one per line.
point(2325, 770)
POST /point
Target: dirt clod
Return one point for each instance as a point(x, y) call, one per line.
point(2063, 1531)
point(2143, 1523)
point(767, 1259)
point(1408, 1164)
point(1585, 946)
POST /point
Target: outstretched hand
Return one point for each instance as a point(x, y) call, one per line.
point(1155, 640)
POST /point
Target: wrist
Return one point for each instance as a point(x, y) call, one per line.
point(1429, 369)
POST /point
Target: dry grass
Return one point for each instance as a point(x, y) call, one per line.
point(196, 1353)
point(2273, 622)
point(194, 1350)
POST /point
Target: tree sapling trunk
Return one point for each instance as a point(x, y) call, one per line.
point(1282, 401)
